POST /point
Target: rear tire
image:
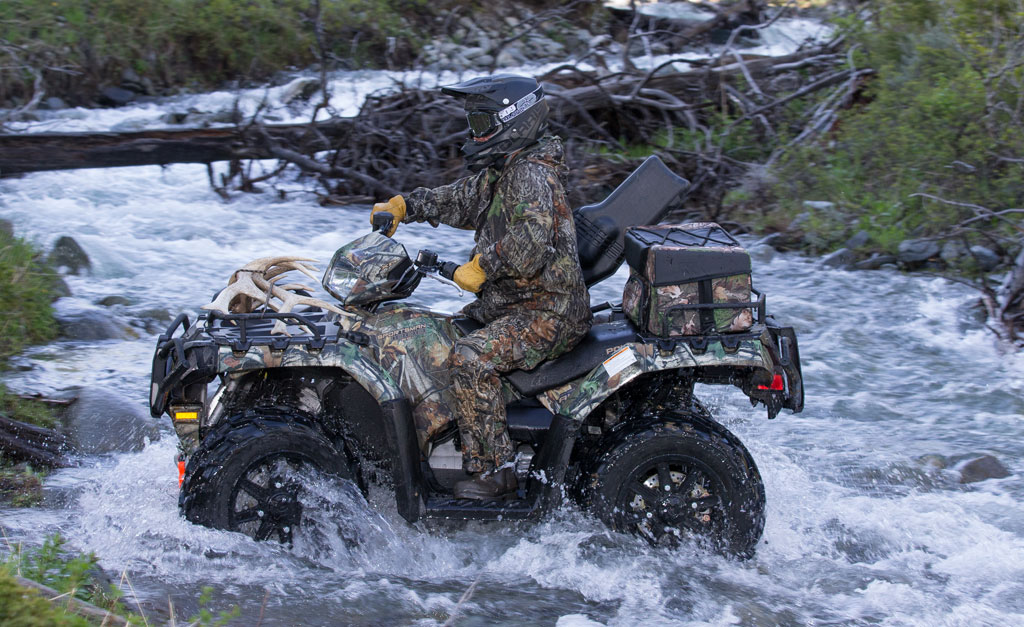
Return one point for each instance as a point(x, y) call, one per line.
point(689, 478)
point(244, 476)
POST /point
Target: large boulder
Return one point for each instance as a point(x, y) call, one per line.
point(101, 421)
point(842, 258)
point(986, 259)
point(69, 254)
point(78, 321)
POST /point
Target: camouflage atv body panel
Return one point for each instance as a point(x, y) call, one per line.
point(409, 346)
point(580, 397)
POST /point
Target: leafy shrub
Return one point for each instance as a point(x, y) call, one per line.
point(942, 119)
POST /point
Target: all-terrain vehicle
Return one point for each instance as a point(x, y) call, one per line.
point(353, 389)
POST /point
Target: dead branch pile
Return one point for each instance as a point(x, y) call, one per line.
point(411, 137)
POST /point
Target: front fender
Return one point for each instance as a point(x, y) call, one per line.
point(341, 354)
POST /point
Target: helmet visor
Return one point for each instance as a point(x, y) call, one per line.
point(482, 123)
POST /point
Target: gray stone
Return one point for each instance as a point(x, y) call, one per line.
point(913, 251)
point(301, 88)
point(111, 301)
point(820, 205)
point(842, 258)
point(174, 117)
point(800, 220)
point(483, 61)
point(858, 241)
point(980, 469)
point(67, 253)
point(952, 251)
point(92, 325)
point(115, 96)
point(600, 41)
point(473, 52)
point(53, 103)
point(933, 461)
point(101, 421)
point(7, 227)
point(986, 259)
point(510, 56)
point(875, 262)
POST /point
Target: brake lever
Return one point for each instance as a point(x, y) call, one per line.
point(441, 271)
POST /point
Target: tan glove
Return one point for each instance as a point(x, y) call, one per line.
point(470, 276)
point(396, 207)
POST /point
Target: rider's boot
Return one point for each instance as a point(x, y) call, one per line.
point(488, 485)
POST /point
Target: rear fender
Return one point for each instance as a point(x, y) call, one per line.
point(579, 398)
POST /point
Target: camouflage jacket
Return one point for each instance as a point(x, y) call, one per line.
point(525, 234)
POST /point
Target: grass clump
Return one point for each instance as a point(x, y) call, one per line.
point(26, 293)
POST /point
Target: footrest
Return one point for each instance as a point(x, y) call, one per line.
point(473, 509)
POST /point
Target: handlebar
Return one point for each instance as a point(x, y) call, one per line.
point(428, 263)
point(382, 220)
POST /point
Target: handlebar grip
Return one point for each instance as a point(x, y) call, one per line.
point(448, 269)
point(382, 220)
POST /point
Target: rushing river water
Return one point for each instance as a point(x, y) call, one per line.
point(860, 529)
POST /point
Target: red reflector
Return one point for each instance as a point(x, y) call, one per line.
point(776, 385)
point(181, 473)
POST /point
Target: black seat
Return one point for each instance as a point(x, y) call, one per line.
point(594, 348)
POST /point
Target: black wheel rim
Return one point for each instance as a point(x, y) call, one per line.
point(266, 500)
point(671, 498)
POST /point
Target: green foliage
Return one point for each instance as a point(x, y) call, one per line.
point(20, 607)
point(178, 43)
point(20, 486)
point(52, 565)
point(941, 112)
point(26, 291)
point(206, 618)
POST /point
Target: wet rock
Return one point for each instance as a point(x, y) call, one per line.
point(101, 421)
point(980, 469)
point(915, 251)
point(986, 259)
point(53, 103)
point(857, 241)
point(842, 258)
point(67, 253)
point(174, 117)
point(115, 96)
point(111, 301)
point(875, 262)
point(60, 288)
point(92, 325)
point(6, 227)
point(301, 88)
point(933, 461)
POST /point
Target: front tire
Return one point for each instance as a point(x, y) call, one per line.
point(245, 476)
point(689, 478)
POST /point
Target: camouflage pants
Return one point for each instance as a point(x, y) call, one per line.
point(518, 341)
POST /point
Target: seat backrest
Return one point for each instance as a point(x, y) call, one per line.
point(642, 199)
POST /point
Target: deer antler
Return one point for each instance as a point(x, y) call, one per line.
point(255, 282)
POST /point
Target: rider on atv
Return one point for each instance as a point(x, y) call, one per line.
point(525, 269)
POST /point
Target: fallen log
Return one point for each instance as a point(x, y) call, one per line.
point(38, 152)
point(41, 447)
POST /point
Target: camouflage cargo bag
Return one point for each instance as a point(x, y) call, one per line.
point(679, 273)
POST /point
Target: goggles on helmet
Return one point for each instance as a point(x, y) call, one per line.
point(482, 123)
